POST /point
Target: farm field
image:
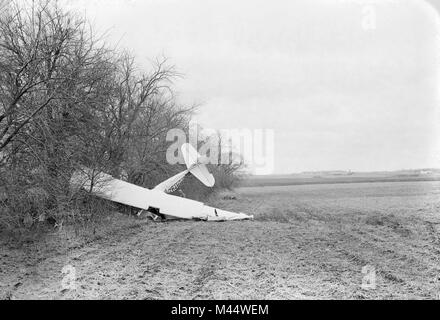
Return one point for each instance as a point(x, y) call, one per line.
point(330, 177)
point(306, 242)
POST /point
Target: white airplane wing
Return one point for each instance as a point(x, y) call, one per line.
point(105, 186)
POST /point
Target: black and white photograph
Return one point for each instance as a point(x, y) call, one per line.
point(219, 150)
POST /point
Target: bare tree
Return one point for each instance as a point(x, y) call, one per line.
point(54, 75)
point(68, 101)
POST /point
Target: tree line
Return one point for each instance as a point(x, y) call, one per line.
point(69, 100)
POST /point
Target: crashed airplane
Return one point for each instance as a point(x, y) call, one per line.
point(157, 201)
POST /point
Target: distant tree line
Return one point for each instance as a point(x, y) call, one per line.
point(68, 100)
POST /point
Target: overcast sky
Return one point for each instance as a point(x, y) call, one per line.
point(344, 84)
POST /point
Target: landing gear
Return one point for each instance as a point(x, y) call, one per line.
point(154, 214)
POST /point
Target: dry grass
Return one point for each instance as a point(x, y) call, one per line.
point(306, 242)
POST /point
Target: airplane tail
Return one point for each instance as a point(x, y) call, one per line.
point(171, 184)
point(197, 169)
